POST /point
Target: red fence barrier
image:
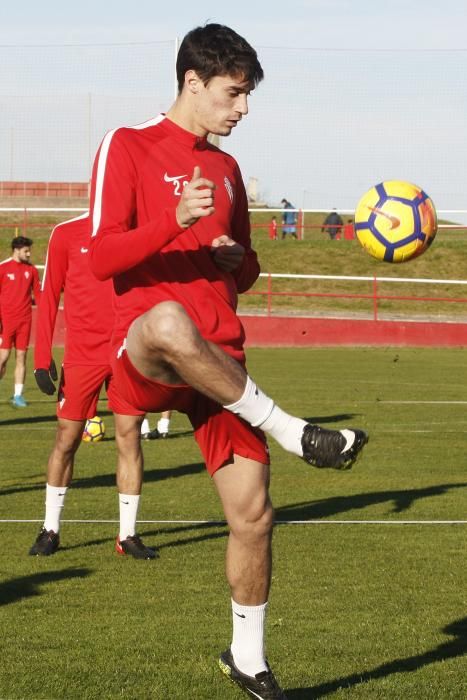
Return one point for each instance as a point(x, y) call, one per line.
point(263, 331)
point(43, 189)
point(374, 296)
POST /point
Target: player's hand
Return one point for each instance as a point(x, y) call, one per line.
point(197, 200)
point(227, 253)
point(44, 379)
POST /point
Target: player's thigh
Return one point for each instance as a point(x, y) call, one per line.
point(243, 487)
point(4, 355)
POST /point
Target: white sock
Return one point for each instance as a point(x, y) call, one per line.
point(260, 411)
point(248, 638)
point(286, 429)
point(19, 389)
point(163, 425)
point(145, 427)
point(128, 512)
point(54, 502)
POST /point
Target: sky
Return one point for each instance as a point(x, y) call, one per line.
point(308, 23)
point(355, 90)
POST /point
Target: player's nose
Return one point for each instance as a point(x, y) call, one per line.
point(242, 104)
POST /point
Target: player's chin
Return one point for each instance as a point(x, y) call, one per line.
point(226, 128)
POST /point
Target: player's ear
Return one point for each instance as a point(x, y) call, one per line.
point(192, 81)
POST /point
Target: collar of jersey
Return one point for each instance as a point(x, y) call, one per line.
point(198, 142)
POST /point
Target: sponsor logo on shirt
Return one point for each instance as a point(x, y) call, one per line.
point(84, 250)
point(169, 178)
point(229, 188)
point(10, 275)
point(177, 183)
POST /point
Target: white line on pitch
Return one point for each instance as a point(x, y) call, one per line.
point(447, 403)
point(278, 522)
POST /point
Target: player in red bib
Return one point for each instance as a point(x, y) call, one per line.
point(19, 279)
point(170, 225)
point(86, 369)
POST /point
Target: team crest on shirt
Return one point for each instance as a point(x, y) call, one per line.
point(26, 274)
point(229, 188)
point(11, 276)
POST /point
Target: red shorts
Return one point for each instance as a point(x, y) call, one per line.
point(219, 433)
point(79, 389)
point(15, 334)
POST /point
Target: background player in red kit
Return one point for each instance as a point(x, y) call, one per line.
point(273, 229)
point(18, 280)
point(85, 370)
point(171, 226)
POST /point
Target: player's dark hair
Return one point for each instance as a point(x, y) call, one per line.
point(21, 242)
point(215, 50)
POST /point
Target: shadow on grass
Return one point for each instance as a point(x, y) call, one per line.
point(150, 476)
point(450, 649)
point(109, 480)
point(17, 589)
point(29, 420)
point(24, 420)
point(337, 505)
point(329, 419)
point(311, 510)
point(145, 533)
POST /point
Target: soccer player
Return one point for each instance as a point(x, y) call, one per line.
point(160, 431)
point(170, 225)
point(85, 370)
point(19, 279)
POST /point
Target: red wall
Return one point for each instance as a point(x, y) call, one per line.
point(43, 189)
point(301, 332)
point(262, 331)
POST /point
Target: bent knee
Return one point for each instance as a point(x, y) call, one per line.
point(167, 325)
point(254, 520)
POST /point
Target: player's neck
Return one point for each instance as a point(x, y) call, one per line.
point(182, 114)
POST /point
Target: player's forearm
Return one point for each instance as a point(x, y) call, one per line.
point(248, 272)
point(37, 290)
point(45, 326)
point(114, 251)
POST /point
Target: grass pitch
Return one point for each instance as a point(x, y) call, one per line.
point(362, 605)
